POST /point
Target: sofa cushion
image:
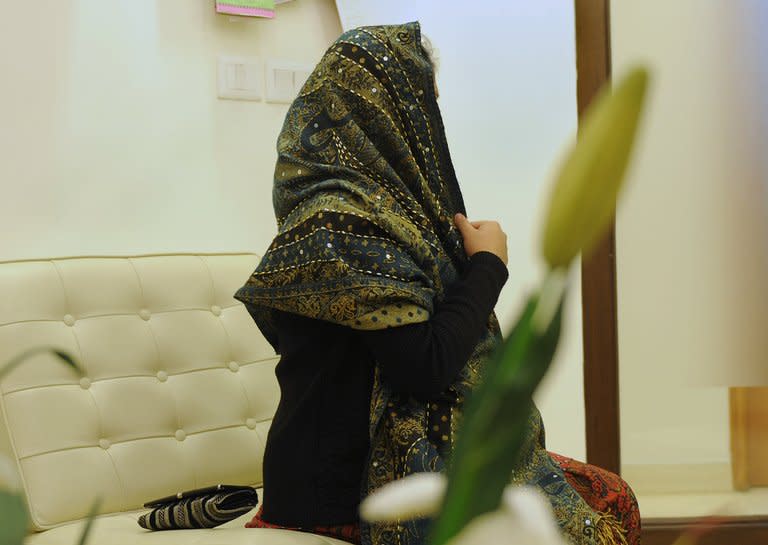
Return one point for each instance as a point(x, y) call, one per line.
point(122, 529)
point(179, 387)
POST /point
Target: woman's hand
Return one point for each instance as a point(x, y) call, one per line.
point(482, 236)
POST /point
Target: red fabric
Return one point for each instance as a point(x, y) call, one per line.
point(345, 532)
point(605, 492)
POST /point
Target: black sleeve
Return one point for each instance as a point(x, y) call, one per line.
point(424, 359)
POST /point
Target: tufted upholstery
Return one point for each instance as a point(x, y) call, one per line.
point(178, 393)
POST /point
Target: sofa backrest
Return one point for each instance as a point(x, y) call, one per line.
point(179, 384)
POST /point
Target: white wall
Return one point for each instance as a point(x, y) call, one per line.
point(691, 234)
point(112, 138)
point(507, 85)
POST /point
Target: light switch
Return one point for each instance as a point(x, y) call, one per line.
point(300, 77)
point(240, 78)
point(285, 79)
point(283, 86)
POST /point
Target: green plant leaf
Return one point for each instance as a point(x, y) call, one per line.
point(18, 360)
point(495, 429)
point(89, 522)
point(583, 198)
point(69, 360)
point(13, 519)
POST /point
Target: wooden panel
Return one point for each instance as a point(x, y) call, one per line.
point(738, 408)
point(749, 436)
point(598, 287)
point(733, 531)
point(757, 436)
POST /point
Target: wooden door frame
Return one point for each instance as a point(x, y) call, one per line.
point(598, 271)
point(599, 313)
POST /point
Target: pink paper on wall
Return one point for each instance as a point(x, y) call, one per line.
point(248, 8)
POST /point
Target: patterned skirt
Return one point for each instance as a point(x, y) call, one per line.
point(604, 491)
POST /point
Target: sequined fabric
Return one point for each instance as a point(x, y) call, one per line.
point(605, 492)
point(364, 195)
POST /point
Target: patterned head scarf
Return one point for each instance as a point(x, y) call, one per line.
point(364, 191)
point(364, 196)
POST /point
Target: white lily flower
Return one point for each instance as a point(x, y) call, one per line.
point(532, 512)
point(503, 527)
point(524, 514)
point(9, 476)
point(416, 496)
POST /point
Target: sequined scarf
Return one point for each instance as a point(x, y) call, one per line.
point(364, 195)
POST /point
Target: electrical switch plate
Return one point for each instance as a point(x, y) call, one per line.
point(239, 78)
point(300, 76)
point(285, 79)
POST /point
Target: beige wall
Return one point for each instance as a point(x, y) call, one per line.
point(507, 85)
point(113, 140)
point(690, 234)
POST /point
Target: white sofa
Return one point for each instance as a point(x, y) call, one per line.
point(178, 393)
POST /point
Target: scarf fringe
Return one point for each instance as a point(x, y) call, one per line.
point(609, 531)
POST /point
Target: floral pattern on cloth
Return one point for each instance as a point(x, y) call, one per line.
point(605, 492)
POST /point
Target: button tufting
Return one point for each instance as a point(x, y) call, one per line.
point(233, 366)
point(162, 376)
point(145, 314)
point(104, 443)
point(85, 383)
point(216, 309)
point(181, 435)
point(69, 320)
point(251, 423)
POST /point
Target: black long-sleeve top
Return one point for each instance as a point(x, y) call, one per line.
point(318, 442)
